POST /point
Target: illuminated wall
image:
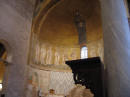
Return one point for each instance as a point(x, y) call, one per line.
point(55, 37)
point(55, 40)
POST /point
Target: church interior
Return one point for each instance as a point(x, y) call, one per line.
point(64, 48)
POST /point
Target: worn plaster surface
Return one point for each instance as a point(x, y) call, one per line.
point(15, 28)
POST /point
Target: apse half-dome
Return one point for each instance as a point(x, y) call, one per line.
point(55, 36)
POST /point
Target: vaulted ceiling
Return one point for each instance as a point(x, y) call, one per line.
point(59, 28)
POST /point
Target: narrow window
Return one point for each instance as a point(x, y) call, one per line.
point(84, 52)
point(0, 86)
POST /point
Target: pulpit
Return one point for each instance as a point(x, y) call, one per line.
point(89, 73)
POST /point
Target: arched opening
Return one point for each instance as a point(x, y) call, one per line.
point(3, 56)
point(63, 30)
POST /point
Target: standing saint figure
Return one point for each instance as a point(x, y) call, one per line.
point(57, 57)
point(80, 24)
point(64, 58)
point(49, 56)
point(37, 54)
point(43, 55)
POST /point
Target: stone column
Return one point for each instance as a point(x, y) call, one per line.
point(15, 29)
point(117, 47)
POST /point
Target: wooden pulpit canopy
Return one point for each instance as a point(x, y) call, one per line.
point(88, 72)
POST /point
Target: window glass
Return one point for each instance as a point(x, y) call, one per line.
point(0, 86)
point(84, 52)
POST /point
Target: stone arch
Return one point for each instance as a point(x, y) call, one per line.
point(41, 18)
point(45, 10)
point(8, 49)
point(6, 61)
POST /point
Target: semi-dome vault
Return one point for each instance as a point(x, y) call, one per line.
point(55, 37)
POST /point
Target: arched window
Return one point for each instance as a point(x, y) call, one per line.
point(0, 86)
point(84, 52)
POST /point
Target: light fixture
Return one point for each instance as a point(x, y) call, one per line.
point(0, 86)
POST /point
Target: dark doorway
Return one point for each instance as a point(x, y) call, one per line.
point(3, 54)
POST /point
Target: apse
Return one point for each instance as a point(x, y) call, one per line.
point(62, 30)
point(59, 33)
